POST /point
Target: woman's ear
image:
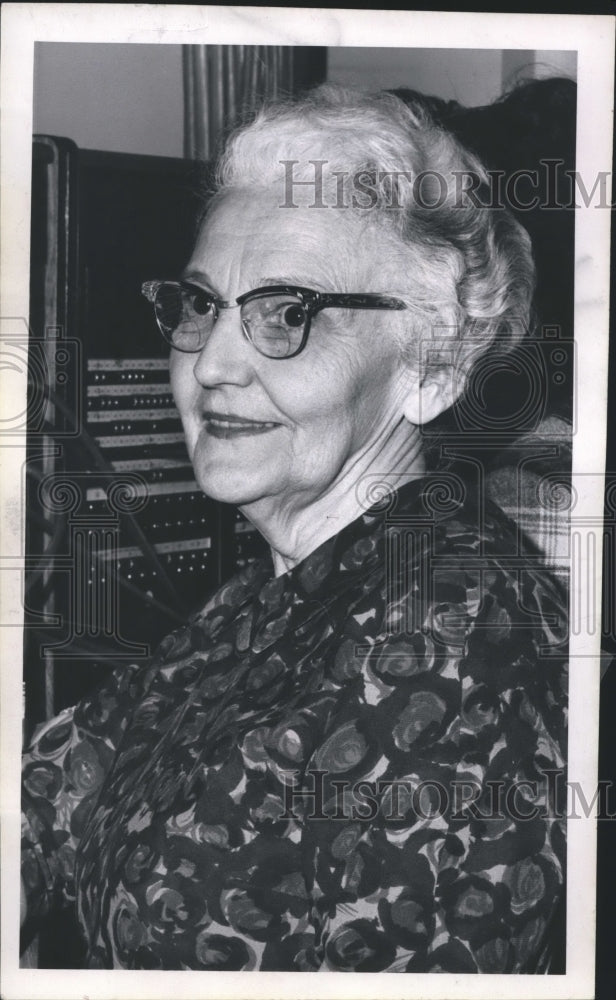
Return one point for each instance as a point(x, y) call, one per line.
point(432, 393)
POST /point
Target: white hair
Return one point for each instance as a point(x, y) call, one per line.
point(464, 269)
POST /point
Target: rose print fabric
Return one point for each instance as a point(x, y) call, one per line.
point(350, 767)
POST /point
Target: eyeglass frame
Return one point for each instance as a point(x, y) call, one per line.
point(313, 301)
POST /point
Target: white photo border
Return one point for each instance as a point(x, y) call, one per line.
point(592, 37)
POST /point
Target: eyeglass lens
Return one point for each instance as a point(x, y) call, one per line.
point(185, 316)
point(274, 323)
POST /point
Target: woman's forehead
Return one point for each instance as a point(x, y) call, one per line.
point(252, 229)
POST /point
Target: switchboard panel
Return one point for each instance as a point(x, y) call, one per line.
point(121, 543)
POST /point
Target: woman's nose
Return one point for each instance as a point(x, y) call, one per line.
point(226, 356)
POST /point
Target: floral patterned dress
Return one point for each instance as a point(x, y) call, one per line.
point(349, 767)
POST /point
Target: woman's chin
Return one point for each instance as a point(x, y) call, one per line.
point(232, 486)
point(232, 473)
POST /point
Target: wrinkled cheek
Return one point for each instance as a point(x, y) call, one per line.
point(317, 458)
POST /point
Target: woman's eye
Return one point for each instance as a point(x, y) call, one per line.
point(294, 315)
point(201, 303)
point(285, 313)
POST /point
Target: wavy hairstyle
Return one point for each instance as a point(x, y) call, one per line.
point(465, 270)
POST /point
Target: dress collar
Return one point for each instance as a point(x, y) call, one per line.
point(340, 561)
point(329, 571)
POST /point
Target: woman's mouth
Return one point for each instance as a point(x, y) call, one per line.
point(225, 425)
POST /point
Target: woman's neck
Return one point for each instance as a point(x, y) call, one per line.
point(294, 530)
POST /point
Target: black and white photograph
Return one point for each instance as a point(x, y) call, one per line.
point(308, 546)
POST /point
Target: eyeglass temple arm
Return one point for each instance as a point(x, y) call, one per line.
point(358, 301)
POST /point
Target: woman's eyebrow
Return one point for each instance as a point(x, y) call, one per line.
point(291, 279)
point(198, 278)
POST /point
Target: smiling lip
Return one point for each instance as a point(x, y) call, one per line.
point(225, 425)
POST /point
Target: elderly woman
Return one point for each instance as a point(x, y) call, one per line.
point(339, 763)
